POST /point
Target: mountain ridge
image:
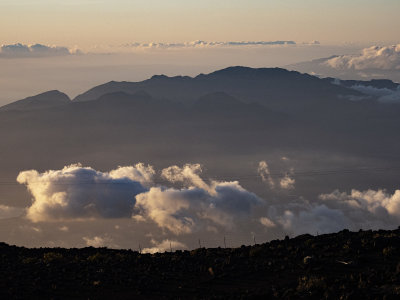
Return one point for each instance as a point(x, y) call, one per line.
point(43, 100)
point(276, 88)
point(247, 84)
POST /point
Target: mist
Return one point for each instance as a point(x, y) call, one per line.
point(21, 77)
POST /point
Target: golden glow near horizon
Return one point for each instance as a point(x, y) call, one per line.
point(104, 22)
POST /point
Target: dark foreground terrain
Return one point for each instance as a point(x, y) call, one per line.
point(344, 265)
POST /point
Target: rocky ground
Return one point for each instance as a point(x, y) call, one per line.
point(344, 265)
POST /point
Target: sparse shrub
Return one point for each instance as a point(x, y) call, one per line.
point(196, 252)
point(388, 251)
point(49, 257)
point(311, 283)
point(256, 251)
point(28, 260)
point(96, 258)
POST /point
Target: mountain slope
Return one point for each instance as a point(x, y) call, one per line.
point(275, 88)
point(43, 100)
point(343, 265)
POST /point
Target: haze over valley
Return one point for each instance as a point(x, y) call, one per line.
point(240, 153)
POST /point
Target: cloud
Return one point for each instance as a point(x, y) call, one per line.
point(98, 241)
point(7, 212)
point(205, 44)
point(64, 228)
point(376, 57)
point(182, 211)
point(378, 203)
point(164, 246)
point(140, 172)
point(384, 95)
point(312, 43)
point(193, 204)
point(312, 219)
point(338, 210)
point(36, 50)
point(285, 183)
point(263, 171)
point(267, 222)
point(188, 175)
point(77, 192)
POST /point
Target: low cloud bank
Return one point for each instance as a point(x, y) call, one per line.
point(378, 204)
point(336, 211)
point(36, 50)
point(205, 44)
point(383, 95)
point(77, 192)
point(186, 203)
point(376, 57)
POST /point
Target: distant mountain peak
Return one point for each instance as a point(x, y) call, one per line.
point(268, 86)
point(251, 73)
point(44, 100)
point(165, 77)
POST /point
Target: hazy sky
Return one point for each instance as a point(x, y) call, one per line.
point(97, 22)
point(105, 26)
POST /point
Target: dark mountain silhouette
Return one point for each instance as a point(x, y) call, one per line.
point(275, 88)
point(41, 101)
point(343, 265)
point(218, 100)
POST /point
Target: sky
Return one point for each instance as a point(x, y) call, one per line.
point(87, 23)
point(84, 43)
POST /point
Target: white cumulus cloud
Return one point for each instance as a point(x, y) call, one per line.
point(77, 192)
point(378, 203)
point(182, 211)
point(376, 57)
point(189, 175)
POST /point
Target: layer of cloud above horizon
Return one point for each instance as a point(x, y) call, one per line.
point(206, 44)
point(37, 50)
point(21, 50)
point(192, 204)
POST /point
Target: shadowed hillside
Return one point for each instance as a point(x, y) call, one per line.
point(345, 265)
